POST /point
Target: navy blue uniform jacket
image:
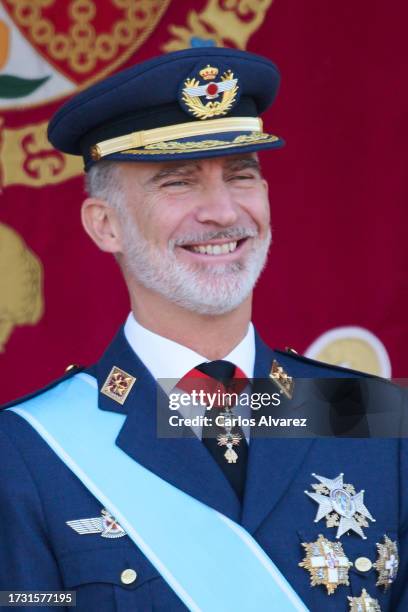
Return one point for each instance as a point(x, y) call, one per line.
point(38, 494)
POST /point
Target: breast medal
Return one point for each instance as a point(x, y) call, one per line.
point(364, 603)
point(105, 525)
point(327, 563)
point(341, 505)
point(387, 562)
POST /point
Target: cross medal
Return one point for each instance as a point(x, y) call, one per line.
point(228, 439)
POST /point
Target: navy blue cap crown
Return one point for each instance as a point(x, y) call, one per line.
point(193, 103)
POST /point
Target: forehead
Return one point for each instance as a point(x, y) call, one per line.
point(146, 171)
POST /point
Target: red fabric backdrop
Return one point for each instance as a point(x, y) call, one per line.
point(338, 196)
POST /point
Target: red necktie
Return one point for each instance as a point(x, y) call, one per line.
point(227, 444)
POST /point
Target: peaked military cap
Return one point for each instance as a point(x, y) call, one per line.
point(201, 102)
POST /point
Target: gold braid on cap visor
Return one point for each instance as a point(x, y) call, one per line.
point(172, 132)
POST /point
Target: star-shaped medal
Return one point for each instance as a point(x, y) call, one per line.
point(364, 603)
point(341, 505)
point(326, 562)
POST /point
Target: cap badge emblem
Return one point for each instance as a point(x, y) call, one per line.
point(387, 563)
point(207, 96)
point(341, 505)
point(327, 563)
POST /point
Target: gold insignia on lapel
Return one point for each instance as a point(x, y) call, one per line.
point(364, 603)
point(282, 379)
point(341, 505)
point(327, 563)
point(387, 562)
point(118, 384)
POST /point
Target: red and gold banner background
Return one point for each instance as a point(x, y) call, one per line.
point(338, 190)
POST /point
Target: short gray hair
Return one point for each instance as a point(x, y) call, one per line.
point(103, 181)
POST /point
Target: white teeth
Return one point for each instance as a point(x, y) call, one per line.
point(215, 249)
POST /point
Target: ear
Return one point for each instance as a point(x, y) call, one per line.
point(101, 223)
point(266, 186)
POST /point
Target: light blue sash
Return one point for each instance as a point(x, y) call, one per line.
point(211, 562)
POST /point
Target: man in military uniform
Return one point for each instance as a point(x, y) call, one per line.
point(92, 499)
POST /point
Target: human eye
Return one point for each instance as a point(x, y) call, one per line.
point(177, 183)
point(242, 176)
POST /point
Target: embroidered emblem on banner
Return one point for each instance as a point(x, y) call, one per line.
point(327, 563)
point(282, 379)
point(118, 385)
point(387, 562)
point(341, 505)
point(209, 96)
point(105, 525)
point(364, 603)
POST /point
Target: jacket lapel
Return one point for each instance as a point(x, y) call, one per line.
point(183, 462)
point(272, 463)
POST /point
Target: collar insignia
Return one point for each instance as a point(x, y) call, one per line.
point(387, 563)
point(282, 379)
point(364, 603)
point(327, 563)
point(118, 385)
point(341, 505)
point(209, 96)
point(105, 525)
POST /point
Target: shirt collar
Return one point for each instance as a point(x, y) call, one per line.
point(168, 359)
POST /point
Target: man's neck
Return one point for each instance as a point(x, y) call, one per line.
point(212, 336)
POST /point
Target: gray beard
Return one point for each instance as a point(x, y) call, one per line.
point(211, 289)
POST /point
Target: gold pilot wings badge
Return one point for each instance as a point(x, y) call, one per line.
point(105, 525)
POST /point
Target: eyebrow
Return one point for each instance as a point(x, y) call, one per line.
point(179, 170)
point(242, 163)
point(183, 169)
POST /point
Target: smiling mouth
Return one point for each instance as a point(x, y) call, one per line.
point(215, 249)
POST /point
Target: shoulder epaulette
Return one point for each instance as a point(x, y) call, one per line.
point(71, 371)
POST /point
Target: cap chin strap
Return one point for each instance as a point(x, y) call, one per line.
point(171, 132)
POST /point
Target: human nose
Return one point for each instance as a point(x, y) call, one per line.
point(217, 206)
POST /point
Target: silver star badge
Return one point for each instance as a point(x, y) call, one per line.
point(341, 505)
point(105, 525)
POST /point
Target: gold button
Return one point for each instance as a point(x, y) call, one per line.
point(363, 564)
point(73, 366)
point(128, 576)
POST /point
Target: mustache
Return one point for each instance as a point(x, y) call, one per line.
point(234, 233)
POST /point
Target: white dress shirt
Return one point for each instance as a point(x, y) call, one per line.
point(166, 359)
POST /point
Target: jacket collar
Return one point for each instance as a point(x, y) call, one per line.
point(183, 462)
point(273, 462)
